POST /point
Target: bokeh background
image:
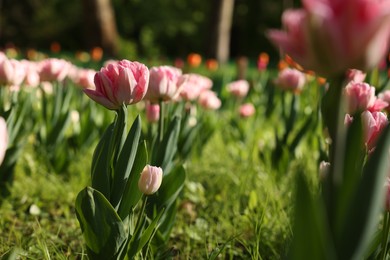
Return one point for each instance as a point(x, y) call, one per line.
point(221, 29)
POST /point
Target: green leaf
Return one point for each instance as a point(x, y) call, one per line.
point(311, 240)
point(102, 228)
point(352, 173)
point(131, 193)
point(170, 188)
point(125, 162)
point(100, 171)
point(163, 155)
point(149, 231)
point(367, 203)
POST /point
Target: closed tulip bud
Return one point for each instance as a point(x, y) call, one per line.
point(373, 124)
point(247, 110)
point(150, 180)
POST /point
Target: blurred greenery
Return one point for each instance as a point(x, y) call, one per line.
point(168, 28)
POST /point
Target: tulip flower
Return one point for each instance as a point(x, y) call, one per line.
point(361, 96)
point(165, 83)
point(332, 36)
point(12, 72)
point(195, 84)
point(291, 79)
point(152, 112)
point(150, 180)
point(3, 139)
point(209, 100)
point(247, 110)
point(356, 75)
point(123, 82)
point(238, 88)
point(54, 69)
point(373, 124)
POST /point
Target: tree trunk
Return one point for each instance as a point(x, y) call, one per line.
point(221, 23)
point(100, 27)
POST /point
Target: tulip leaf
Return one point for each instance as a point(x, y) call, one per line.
point(163, 155)
point(353, 163)
point(363, 212)
point(311, 240)
point(131, 193)
point(125, 162)
point(100, 171)
point(102, 228)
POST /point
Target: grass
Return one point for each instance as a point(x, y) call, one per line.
point(235, 205)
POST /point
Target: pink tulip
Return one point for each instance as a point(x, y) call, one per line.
point(152, 112)
point(385, 96)
point(331, 36)
point(291, 79)
point(195, 84)
point(124, 82)
point(12, 72)
point(361, 96)
point(373, 124)
point(247, 110)
point(3, 139)
point(165, 83)
point(150, 180)
point(356, 75)
point(82, 77)
point(209, 100)
point(238, 88)
point(32, 73)
point(54, 69)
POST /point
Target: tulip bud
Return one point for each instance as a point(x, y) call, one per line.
point(150, 180)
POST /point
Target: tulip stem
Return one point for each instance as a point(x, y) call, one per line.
point(161, 125)
point(385, 234)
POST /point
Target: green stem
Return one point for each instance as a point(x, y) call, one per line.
point(385, 235)
point(141, 213)
point(116, 141)
point(333, 114)
point(161, 121)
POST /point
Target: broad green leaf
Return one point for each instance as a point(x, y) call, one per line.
point(102, 228)
point(125, 162)
point(131, 193)
point(163, 155)
point(171, 186)
point(367, 203)
point(352, 173)
point(100, 170)
point(311, 240)
point(149, 231)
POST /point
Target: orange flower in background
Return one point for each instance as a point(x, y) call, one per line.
point(83, 56)
point(212, 64)
point(194, 59)
point(55, 47)
point(321, 80)
point(292, 63)
point(97, 54)
point(262, 61)
point(282, 65)
point(32, 54)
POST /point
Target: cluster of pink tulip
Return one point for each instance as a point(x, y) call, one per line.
point(239, 90)
point(28, 73)
point(361, 98)
point(330, 37)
